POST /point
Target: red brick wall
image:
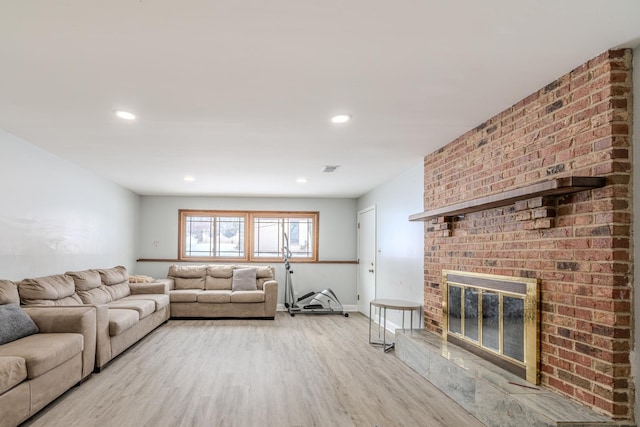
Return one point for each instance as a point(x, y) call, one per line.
point(578, 125)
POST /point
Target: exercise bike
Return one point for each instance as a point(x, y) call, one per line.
point(323, 302)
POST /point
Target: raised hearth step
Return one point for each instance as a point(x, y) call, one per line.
point(491, 394)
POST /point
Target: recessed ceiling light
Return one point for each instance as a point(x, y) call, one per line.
point(189, 178)
point(341, 118)
point(125, 115)
point(301, 180)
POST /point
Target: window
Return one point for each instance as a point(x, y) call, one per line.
point(247, 235)
point(268, 241)
point(206, 234)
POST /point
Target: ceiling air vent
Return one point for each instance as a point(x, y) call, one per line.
point(329, 169)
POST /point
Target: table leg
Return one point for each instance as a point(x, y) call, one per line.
point(411, 322)
point(370, 322)
point(382, 323)
point(387, 347)
point(372, 312)
point(384, 330)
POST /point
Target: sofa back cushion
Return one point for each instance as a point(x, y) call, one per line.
point(264, 274)
point(188, 276)
point(89, 287)
point(58, 289)
point(214, 276)
point(116, 280)
point(8, 293)
point(219, 277)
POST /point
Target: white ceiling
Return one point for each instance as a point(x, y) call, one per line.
point(239, 93)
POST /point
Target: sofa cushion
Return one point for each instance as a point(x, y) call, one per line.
point(85, 280)
point(121, 319)
point(247, 296)
point(189, 283)
point(188, 276)
point(263, 274)
point(184, 295)
point(215, 296)
point(15, 323)
point(219, 277)
point(13, 370)
point(9, 292)
point(43, 352)
point(220, 271)
point(218, 283)
point(89, 287)
point(58, 289)
point(187, 271)
point(114, 275)
point(143, 307)
point(160, 300)
point(116, 280)
point(244, 279)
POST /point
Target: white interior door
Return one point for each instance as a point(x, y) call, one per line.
point(366, 258)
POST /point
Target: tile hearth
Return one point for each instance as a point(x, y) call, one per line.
point(491, 394)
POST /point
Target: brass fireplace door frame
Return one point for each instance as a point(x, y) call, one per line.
point(516, 287)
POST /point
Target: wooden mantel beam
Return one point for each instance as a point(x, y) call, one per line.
point(554, 187)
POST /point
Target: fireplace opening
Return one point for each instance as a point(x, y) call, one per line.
point(495, 317)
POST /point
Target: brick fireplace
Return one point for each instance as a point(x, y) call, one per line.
point(576, 245)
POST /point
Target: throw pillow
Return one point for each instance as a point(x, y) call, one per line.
point(141, 278)
point(15, 323)
point(244, 279)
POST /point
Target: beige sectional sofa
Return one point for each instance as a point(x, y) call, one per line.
point(39, 363)
point(125, 311)
point(222, 291)
point(83, 319)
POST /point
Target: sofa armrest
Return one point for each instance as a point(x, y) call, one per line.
point(102, 342)
point(270, 297)
point(161, 286)
point(103, 339)
point(80, 320)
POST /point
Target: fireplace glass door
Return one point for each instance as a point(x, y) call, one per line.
point(490, 313)
point(491, 320)
point(479, 319)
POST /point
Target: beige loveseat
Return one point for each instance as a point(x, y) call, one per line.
point(222, 291)
point(126, 312)
point(39, 363)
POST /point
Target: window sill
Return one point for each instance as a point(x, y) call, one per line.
point(243, 261)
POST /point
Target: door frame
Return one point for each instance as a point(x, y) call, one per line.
point(375, 252)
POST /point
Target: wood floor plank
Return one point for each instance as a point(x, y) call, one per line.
point(301, 371)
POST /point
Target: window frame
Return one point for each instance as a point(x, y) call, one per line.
point(249, 233)
point(182, 223)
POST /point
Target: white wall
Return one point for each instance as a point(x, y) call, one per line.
point(635, 357)
point(337, 239)
point(58, 217)
point(400, 243)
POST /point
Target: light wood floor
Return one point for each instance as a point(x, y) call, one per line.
point(300, 371)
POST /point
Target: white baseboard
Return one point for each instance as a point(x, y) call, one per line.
point(391, 327)
point(347, 308)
